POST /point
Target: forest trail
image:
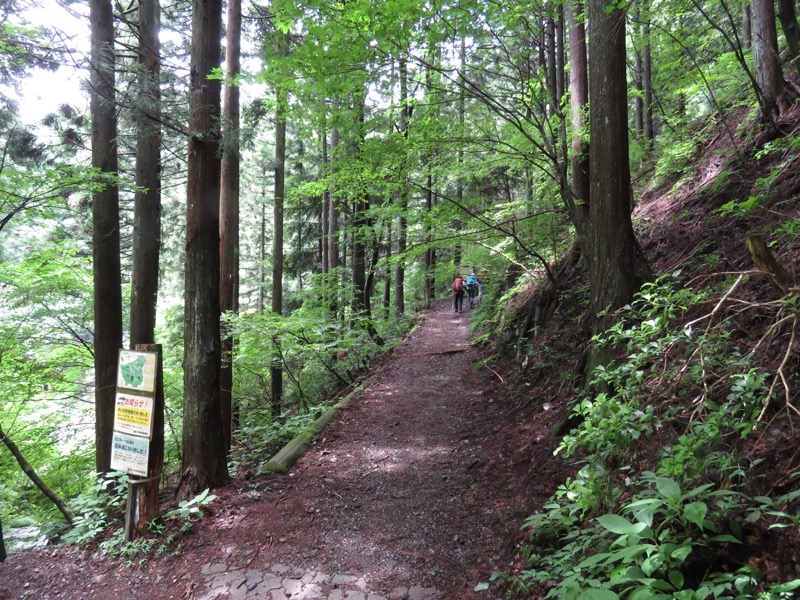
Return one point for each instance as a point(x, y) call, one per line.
point(409, 494)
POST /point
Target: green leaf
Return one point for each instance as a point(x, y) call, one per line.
point(676, 579)
point(596, 594)
point(481, 587)
point(617, 524)
point(695, 513)
point(668, 488)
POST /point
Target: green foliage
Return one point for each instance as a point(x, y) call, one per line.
point(93, 507)
point(671, 531)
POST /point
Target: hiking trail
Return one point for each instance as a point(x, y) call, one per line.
point(415, 492)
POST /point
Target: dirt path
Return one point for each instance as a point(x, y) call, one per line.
point(411, 493)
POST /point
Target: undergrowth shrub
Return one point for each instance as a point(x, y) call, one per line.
point(675, 528)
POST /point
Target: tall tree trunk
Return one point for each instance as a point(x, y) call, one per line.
point(767, 62)
point(387, 280)
point(333, 226)
point(462, 96)
point(647, 82)
point(3, 554)
point(262, 244)
point(204, 457)
point(360, 223)
point(787, 14)
point(747, 24)
point(276, 370)
point(579, 99)
point(552, 75)
point(229, 211)
point(147, 199)
point(560, 53)
point(29, 471)
point(326, 198)
point(105, 230)
point(614, 256)
point(402, 204)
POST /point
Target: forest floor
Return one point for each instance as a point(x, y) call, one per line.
point(417, 490)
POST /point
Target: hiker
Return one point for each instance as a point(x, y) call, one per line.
point(458, 293)
point(473, 286)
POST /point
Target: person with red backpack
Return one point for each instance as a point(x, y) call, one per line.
point(459, 287)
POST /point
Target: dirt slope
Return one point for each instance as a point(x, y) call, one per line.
point(417, 490)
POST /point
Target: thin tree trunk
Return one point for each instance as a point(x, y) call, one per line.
point(204, 457)
point(333, 225)
point(276, 370)
point(147, 199)
point(360, 224)
point(402, 204)
point(579, 99)
point(647, 83)
point(787, 14)
point(326, 198)
point(229, 212)
point(37, 481)
point(747, 24)
point(3, 554)
point(262, 245)
point(105, 230)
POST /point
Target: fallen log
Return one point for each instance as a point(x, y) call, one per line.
point(288, 455)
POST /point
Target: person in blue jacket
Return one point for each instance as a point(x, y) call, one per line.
point(473, 286)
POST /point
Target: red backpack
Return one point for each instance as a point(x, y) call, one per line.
point(458, 285)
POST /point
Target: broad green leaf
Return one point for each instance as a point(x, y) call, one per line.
point(617, 524)
point(668, 488)
point(596, 594)
point(695, 512)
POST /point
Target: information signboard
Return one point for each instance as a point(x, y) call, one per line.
point(129, 454)
point(133, 414)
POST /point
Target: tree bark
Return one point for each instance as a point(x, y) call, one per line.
point(105, 230)
point(767, 62)
point(579, 100)
point(147, 198)
point(204, 457)
point(276, 370)
point(402, 199)
point(787, 14)
point(229, 211)
point(3, 554)
point(333, 228)
point(615, 261)
point(747, 24)
point(326, 198)
point(62, 506)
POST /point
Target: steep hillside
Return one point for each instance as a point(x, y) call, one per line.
point(711, 335)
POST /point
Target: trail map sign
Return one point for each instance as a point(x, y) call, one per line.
point(137, 371)
point(129, 454)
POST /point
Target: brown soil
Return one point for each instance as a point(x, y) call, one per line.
point(422, 480)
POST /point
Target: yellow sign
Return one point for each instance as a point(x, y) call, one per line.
point(133, 414)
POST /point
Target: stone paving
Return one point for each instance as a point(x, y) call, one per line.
point(281, 582)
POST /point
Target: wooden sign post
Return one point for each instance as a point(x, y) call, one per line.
point(138, 441)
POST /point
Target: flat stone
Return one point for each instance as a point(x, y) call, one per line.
point(399, 592)
point(213, 568)
point(416, 592)
point(280, 568)
point(343, 579)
